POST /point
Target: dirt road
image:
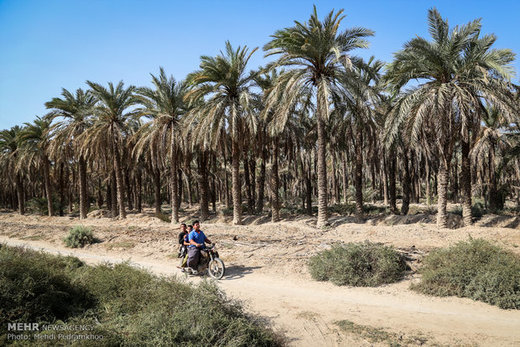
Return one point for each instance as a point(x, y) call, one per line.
point(306, 311)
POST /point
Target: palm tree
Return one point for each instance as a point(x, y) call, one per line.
point(164, 105)
point(457, 70)
point(148, 149)
point(320, 51)
point(356, 100)
point(224, 85)
point(34, 146)
point(107, 131)
point(75, 111)
point(9, 144)
point(281, 127)
point(272, 128)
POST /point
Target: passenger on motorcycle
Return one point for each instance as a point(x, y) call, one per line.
point(196, 243)
point(184, 242)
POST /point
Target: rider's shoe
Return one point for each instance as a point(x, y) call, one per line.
point(194, 272)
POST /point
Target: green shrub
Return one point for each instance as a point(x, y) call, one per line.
point(358, 264)
point(127, 306)
point(474, 269)
point(36, 287)
point(79, 236)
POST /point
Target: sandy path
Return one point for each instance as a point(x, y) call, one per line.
point(306, 311)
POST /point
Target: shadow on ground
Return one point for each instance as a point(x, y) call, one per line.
point(238, 271)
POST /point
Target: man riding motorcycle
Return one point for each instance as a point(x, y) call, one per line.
point(196, 239)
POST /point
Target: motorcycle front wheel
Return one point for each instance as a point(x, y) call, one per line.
point(216, 268)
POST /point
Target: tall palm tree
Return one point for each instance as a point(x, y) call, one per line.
point(356, 100)
point(316, 51)
point(112, 111)
point(9, 144)
point(282, 127)
point(148, 148)
point(165, 106)
point(34, 145)
point(273, 128)
point(456, 71)
point(75, 111)
point(225, 86)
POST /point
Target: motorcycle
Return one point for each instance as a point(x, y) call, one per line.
point(210, 262)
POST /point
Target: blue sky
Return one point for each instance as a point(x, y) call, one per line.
point(47, 45)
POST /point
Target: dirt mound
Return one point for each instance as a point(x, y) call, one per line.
point(454, 220)
point(492, 220)
point(99, 214)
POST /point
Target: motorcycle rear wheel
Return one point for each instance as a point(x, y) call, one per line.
point(216, 268)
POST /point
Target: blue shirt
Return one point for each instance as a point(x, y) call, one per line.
point(198, 237)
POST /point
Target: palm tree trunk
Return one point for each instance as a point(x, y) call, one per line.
point(384, 174)
point(322, 172)
point(275, 200)
point(247, 178)
point(335, 183)
point(119, 181)
point(252, 187)
point(83, 197)
point(228, 198)
point(391, 183)
point(261, 183)
point(139, 192)
point(157, 190)
point(345, 177)
point(465, 177)
point(174, 187)
point(179, 188)
point(47, 182)
point(494, 203)
point(70, 187)
point(128, 186)
point(99, 195)
point(428, 186)
point(62, 188)
point(20, 194)
point(442, 190)
point(189, 193)
point(235, 178)
point(110, 205)
point(455, 185)
point(173, 180)
point(235, 173)
point(203, 185)
point(358, 181)
point(112, 195)
point(214, 184)
point(308, 194)
point(406, 184)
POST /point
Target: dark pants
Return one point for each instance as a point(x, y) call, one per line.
point(193, 257)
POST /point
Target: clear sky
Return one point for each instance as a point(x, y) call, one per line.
point(49, 44)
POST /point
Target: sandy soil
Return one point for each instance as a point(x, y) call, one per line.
point(266, 268)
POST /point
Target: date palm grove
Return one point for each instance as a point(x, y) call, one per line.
point(317, 131)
